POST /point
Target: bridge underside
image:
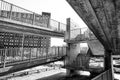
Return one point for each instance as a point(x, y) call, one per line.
point(101, 16)
point(103, 19)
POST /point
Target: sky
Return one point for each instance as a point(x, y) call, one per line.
point(60, 10)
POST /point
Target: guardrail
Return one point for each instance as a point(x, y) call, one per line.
point(104, 76)
point(16, 13)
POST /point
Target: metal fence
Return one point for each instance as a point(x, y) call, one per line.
point(81, 34)
point(75, 32)
point(16, 13)
point(57, 26)
point(107, 75)
point(12, 55)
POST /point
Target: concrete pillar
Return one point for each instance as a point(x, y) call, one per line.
point(107, 62)
point(73, 49)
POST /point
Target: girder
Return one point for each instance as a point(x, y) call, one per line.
point(117, 28)
point(99, 17)
point(26, 29)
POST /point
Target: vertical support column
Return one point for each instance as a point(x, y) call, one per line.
point(59, 28)
point(112, 70)
point(45, 47)
point(5, 55)
point(33, 21)
point(73, 50)
point(108, 61)
point(67, 37)
point(10, 15)
point(59, 52)
point(68, 29)
point(22, 48)
point(67, 57)
point(30, 55)
point(1, 8)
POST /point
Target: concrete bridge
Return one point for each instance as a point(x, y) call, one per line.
point(25, 37)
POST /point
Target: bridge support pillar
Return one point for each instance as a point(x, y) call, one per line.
point(72, 72)
point(73, 50)
point(70, 59)
point(108, 62)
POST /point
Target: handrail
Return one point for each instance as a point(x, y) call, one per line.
point(101, 75)
point(16, 13)
point(81, 33)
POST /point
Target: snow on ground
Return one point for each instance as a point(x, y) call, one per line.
point(59, 63)
point(84, 73)
point(39, 75)
point(117, 76)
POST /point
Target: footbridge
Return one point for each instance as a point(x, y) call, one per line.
point(19, 20)
point(25, 38)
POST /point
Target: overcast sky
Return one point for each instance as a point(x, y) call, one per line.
point(59, 9)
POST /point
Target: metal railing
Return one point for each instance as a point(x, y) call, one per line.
point(16, 13)
point(81, 34)
point(104, 76)
point(76, 33)
point(57, 26)
point(12, 55)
